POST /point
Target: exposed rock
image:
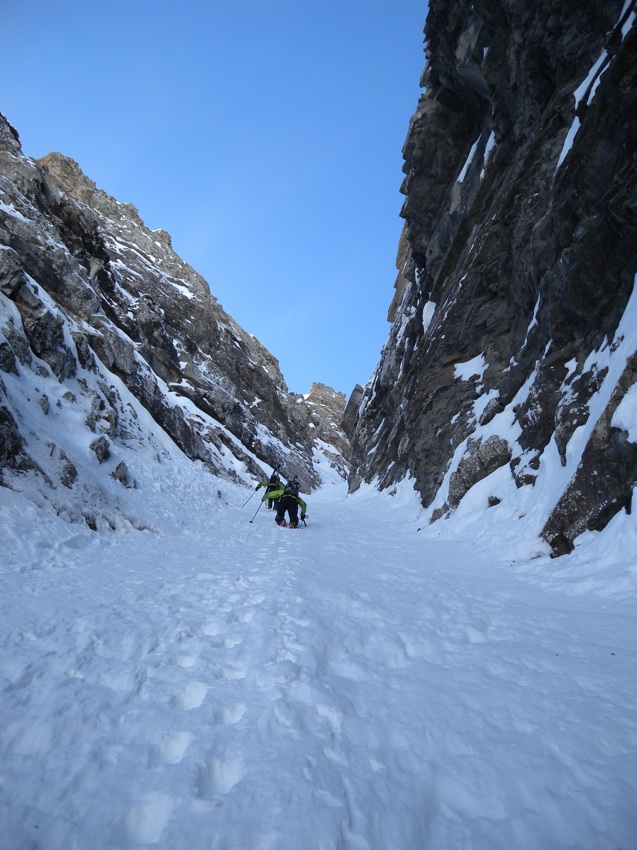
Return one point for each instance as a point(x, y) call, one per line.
point(69, 472)
point(102, 449)
point(519, 252)
point(326, 408)
point(351, 410)
point(7, 359)
point(479, 461)
point(11, 272)
point(604, 480)
point(120, 473)
point(11, 442)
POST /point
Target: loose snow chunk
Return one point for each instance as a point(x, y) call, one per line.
point(481, 403)
point(188, 293)
point(470, 369)
point(625, 417)
point(145, 822)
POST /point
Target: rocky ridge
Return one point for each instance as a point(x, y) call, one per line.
point(508, 346)
point(102, 324)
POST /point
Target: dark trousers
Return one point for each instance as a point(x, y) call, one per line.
point(289, 504)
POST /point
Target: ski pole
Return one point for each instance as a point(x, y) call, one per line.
point(257, 511)
point(247, 500)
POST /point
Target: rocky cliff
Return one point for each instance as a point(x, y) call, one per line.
point(106, 334)
point(512, 352)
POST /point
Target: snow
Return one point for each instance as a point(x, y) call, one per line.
point(568, 141)
point(625, 417)
point(593, 81)
point(578, 95)
point(470, 369)
point(190, 675)
point(485, 156)
point(630, 20)
point(11, 211)
point(581, 91)
point(534, 321)
point(487, 152)
point(468, 161)
point(365, 683)
point(427, 315)
point(186, 291)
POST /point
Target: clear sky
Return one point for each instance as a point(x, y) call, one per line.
point(264, 135)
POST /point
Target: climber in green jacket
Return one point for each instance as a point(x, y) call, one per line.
point(273, 484)
point(288, 499)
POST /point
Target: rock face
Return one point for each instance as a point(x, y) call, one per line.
point(108, 324)
point(511, 333)
point(327, 408)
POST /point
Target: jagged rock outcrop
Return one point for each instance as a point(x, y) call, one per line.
point(326, 415)
point(103, 307)
point(512, 315)
point(351, 412)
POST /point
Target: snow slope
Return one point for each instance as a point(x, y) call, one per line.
point(356, 684)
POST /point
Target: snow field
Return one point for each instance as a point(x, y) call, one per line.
point(352, 684)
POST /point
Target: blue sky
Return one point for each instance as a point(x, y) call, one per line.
point(264, 135)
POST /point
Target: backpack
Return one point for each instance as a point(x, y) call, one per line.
point(292, 487)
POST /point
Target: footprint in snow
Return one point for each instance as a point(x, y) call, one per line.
point(190, 697)
point(332, 715)
point(229, 641)
point(170, 750)
point(243, 616)
point(347, 669)
point(234, 671)
point(145, 822)
point(219, 776)
point(231, 714)
point(186, 661)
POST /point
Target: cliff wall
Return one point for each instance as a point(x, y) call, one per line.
point(511, 355)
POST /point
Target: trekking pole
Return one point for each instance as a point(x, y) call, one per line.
point(247, 500)
point(257, 511)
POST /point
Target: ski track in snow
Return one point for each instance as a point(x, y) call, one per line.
point(346, 685)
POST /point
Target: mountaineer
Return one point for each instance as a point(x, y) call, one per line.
point(290, 501)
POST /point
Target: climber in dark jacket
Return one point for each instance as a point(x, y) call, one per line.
point(290, 501)
point(273, 484)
